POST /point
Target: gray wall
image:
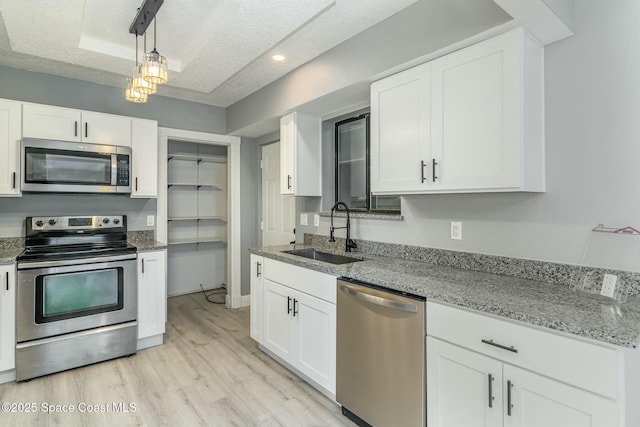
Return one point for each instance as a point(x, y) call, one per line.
point(249, 191)
point(592, 91)
point(53, 90)
point(43, 88)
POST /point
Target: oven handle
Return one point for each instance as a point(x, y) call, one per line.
point(61, 263)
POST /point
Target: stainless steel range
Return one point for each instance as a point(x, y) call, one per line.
point(77, 294)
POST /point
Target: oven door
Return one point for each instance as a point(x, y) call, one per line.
point(55, 300)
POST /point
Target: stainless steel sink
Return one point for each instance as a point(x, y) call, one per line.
point(322, 256)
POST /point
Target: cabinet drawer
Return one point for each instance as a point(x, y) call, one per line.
point(589, 366)
point(311, 282)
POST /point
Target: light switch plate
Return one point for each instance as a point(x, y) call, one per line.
point(151, 220)
point(304, 219)
point(316, 220)
point(456, 230)
point(609, 285)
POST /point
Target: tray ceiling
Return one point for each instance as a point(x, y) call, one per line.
point(218, 51)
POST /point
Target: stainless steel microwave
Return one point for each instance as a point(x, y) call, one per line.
point(74, 167)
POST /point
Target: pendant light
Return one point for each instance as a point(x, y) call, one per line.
point(133, 92)
point(139, 82)
point(154, 69)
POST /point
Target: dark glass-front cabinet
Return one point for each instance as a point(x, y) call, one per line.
point(352, 168)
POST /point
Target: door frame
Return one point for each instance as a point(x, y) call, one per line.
point(234, 297)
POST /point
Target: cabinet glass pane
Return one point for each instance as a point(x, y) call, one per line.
point(352, 168)
point(352, 163)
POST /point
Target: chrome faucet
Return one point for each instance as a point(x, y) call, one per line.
point(350, 244)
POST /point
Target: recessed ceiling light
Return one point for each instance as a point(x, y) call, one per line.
point(278, 57)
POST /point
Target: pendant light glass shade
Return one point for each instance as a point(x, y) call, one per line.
point(140, 84)
point(154, 69)
point(132, 95)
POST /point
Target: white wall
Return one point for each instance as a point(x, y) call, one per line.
point(592, 91)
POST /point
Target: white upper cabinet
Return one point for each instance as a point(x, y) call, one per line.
point(484, 118)
point(57, 123)
point(400, 140)
point(300, 155)
point(10, 116)
point(144, 157)
point(48, 122)
point(108, 129)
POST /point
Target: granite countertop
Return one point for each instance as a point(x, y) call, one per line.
point(8, 255)
point(556, 307)
point(147, 245)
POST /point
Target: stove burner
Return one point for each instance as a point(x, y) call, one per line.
point(77, 237)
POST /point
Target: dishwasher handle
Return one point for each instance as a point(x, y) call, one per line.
point(373, 299)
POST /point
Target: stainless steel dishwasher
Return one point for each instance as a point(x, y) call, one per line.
point(380, 366)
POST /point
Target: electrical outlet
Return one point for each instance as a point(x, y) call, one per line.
point(316, 220)
point(456, 230)
point(609, 285)
point(151, 220)
point(304, 220)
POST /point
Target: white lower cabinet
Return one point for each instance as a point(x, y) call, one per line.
point(458, 387)
point(152, 298)
point(257, 294)
point(468, 389)
point(301, 329)
point(540, 401)
point(296, 320)
point(483, 371)
point(7, 318)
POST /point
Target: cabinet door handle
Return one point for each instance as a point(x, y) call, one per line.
point(509, 405)
point(14, 181)
point(142, 265)
point(491, 391)
point(289, 182)
point(288, 305)
point(258, 269)
point(295, 307)
point(75, 128)
point(7, 280)
point(433, 169)
point(503, 347)
point(86, 129)
point(422, 165)
point(136, 183)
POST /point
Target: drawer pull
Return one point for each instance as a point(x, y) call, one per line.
point(491, 391)
point(422, 165)
point(503, 347)
point(258, 269)
point(289, 305)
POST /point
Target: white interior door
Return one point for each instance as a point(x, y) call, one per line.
point(278, 211)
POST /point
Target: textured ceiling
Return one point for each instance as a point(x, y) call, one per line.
point(218, 51)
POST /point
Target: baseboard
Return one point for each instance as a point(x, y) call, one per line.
point(238, 301)
point(152, 341)
point(8, 376)
point(311, 382)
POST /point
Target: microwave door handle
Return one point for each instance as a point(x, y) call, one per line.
point(114, 169)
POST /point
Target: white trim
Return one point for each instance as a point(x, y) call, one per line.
point(152, 341)
point(7, 376)
point(234, 273)
point(246, 301)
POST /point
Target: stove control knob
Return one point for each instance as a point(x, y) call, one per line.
point(116, 221)
point(105, 220)
point(52, 221)
point(39, 223)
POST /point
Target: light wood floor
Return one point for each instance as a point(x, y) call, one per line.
point(208, 372)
